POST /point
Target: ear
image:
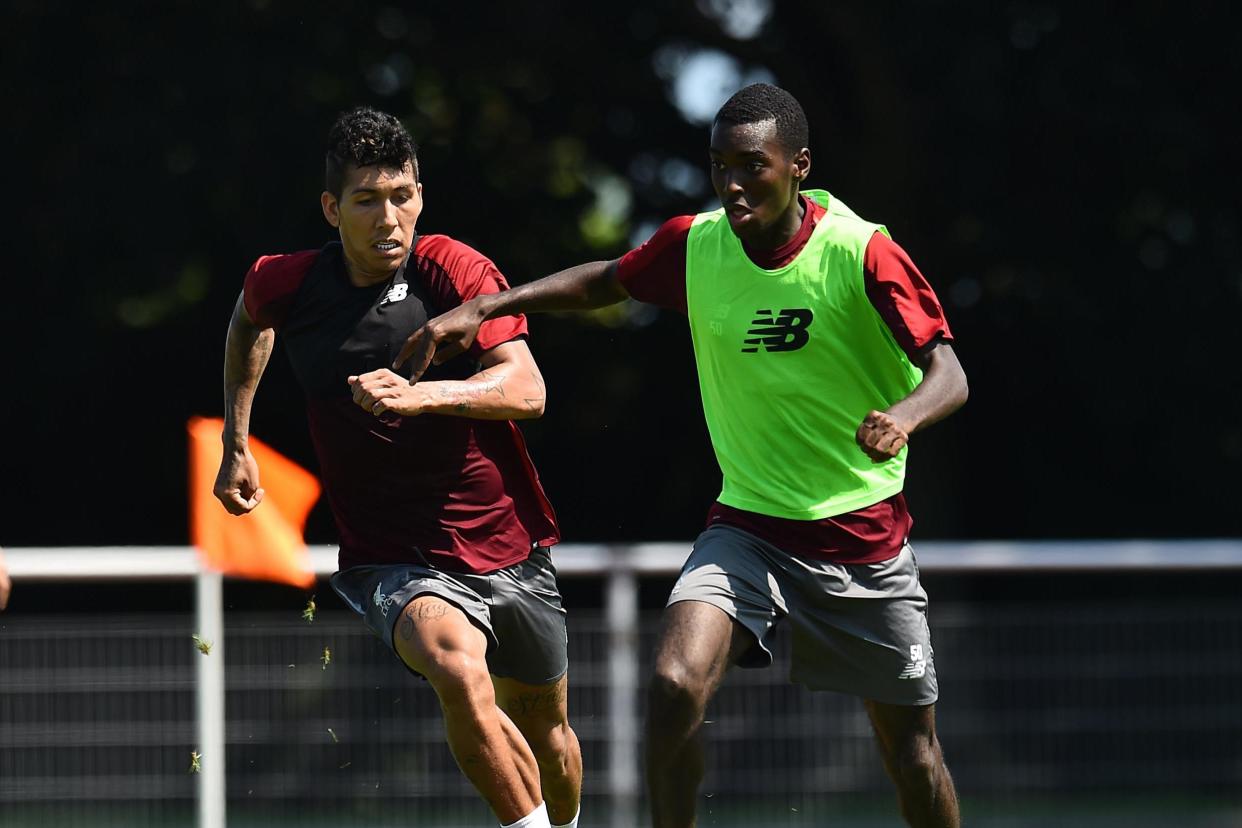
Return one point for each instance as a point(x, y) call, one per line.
point(802, 164)
point(331, 208)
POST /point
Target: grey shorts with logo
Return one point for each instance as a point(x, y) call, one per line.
point(857, 628)
point(518, 609)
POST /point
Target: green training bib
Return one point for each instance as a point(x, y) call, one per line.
point(790, 361)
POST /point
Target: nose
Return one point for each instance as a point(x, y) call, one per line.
point(730, 182)
point(389, 217)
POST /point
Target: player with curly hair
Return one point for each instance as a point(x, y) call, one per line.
point(445, 530)
point(820, 350)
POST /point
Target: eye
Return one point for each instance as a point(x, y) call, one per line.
point(716, 165)
point(754, 166)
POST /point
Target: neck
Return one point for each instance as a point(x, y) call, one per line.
point(782, 230)
point(359, 277)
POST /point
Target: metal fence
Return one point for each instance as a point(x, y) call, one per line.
point(1108, 711)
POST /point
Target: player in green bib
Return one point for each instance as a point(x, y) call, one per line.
point(820, 349)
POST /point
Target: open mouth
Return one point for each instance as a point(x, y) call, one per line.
point(386, 246)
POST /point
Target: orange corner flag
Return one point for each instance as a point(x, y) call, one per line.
point(265, 544)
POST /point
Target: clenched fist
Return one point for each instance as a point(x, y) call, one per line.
point(382, 390)
point(880, 436)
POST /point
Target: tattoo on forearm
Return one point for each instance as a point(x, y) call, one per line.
point(263, 349)
point(247, 350)
point(534, 403)
point(482, 384)
point(497, 383)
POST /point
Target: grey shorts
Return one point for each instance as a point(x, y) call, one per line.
point(858, 629)
point(518, 609)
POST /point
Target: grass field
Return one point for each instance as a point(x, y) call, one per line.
point(849, 812)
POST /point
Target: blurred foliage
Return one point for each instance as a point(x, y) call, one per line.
point(1064, 173)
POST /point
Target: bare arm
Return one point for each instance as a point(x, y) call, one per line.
point(584, 287)
point(942, 391)
point(5, 584)
point(509, 387)
point(246, 351)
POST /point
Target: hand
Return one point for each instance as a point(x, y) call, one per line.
point(237, 484)
point(382, 390)
point(880, 436)
point(441, 339)
point(5, 584)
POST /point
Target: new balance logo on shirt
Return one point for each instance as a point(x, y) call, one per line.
point(786, 331)
point(396, 293)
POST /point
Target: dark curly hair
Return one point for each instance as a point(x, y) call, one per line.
point(366, 137)
point(761, 102)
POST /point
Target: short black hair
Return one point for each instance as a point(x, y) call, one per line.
point(761, 102)
point(366, 137)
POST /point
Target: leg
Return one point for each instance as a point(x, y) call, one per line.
point(541, 714)
point(912, 756)
point(697, 644)
point(436, 639)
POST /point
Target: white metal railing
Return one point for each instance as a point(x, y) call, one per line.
point(620, 565)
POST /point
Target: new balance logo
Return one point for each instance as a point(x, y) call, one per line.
point(396, 293)
point(917, 666)
point(785, 332)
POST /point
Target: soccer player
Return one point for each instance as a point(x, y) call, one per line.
point(444, 527)
point(820, 350)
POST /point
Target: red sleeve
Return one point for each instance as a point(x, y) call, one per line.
point(655, 272)
point(903, 298)
point(271, 284)
point(456, 273)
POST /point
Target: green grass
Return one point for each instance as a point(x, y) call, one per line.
point(1078, 811)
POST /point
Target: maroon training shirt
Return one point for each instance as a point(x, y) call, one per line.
point(655, 272)
point(460, 494)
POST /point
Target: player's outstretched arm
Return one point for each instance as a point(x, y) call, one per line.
point(5, 584)
point(246, 352)
point(942, 391)
point(509, 387)
point(584, 287)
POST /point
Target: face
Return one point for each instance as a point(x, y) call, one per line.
point(375, 215)
point(757, 180)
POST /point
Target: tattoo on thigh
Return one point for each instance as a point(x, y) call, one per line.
point(420, 611)
point(541, 701)
point(426, 610)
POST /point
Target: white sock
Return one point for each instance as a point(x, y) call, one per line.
point(573, 823)
point(537, 818)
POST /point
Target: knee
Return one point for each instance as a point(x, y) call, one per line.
point(459, 678)
point(676, 689)
point(917, 762)
point(552, 748)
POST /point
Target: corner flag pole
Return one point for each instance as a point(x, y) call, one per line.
point(210, 695)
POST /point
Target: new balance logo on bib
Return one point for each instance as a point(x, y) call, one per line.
point(784, 332)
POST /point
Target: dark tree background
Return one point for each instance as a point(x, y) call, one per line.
point(1065, 174)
